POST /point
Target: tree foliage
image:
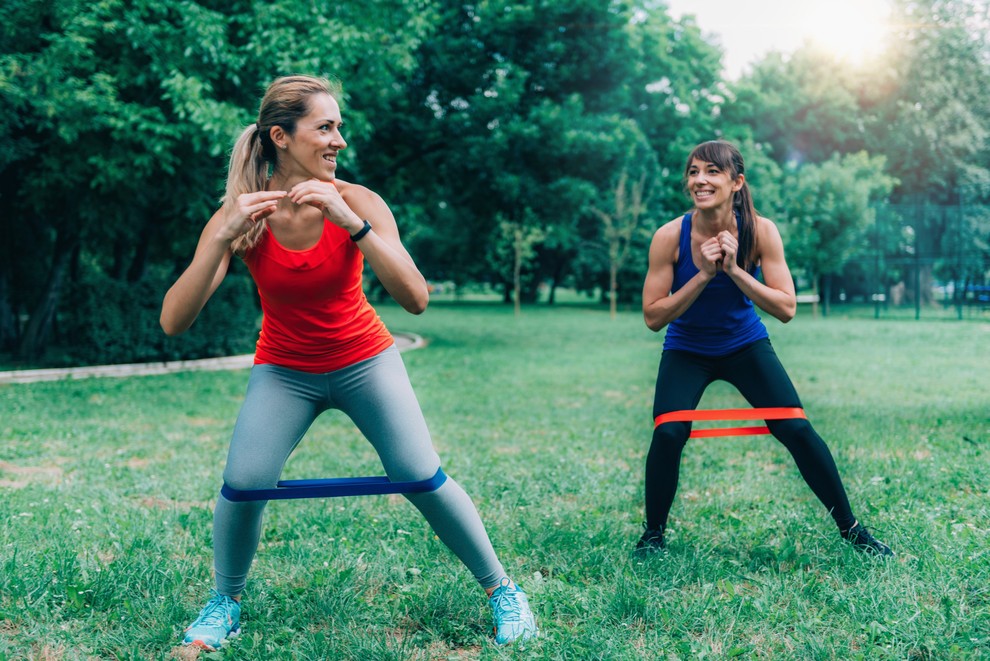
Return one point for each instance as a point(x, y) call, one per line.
point(524, 110)
point(932, 118)
point(121, 112)
point(918, 105)
point(830, 210)
point(469, 118)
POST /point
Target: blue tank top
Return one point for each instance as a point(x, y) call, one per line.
point(721, 320)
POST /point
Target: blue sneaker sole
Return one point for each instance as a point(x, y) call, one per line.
point(203, 646)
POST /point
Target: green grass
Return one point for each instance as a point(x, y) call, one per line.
point(107, 486)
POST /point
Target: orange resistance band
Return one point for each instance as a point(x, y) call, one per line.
point(782, 413)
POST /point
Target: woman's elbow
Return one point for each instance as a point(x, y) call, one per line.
point(171, 325)
point(787, 313)
point(416, 302)
point(417, 306)
point(653, 323)
point(170, 328)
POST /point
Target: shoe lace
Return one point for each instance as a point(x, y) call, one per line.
point(216, 612)
point(652, 533)
point(860, 534)
point(506, 606)
point(861, 538)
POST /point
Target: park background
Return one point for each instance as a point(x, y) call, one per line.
point(524, 147)
point(528, 151)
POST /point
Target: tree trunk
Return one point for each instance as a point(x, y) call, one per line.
point(926, 284)
point(118, 266)
point(826, 295)
point(555, 279)
point(959, 295)
point(517, 279)
point(35, 338)
point(139, 263)
point(8, 322)
point(613, 278)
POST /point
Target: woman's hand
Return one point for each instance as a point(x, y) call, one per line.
point(325, 197)
point(712, 256)
point(719, 254)
point(246, 212)
point(186, 298)
point(729, 245)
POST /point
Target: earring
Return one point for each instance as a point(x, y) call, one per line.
point(284, 146)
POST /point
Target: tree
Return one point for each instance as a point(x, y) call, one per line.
point(623, 220)
point(928, 116)
point(530, 92)
point(933, 123)
point(830, 210)
point(916, 104)
point(120, 114)
point(493, 99)
point(93, 141)
point(517, 239)
point(804, 106)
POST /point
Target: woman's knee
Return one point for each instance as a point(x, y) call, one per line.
point(244, 478)
point(791, 432)
point(671, 436)
point(411, 467)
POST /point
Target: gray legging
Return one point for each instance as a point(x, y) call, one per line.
point(280, 406)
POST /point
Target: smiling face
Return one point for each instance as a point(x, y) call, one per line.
point(710, 186)
point(310, 152)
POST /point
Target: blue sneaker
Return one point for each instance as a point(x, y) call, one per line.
point(511, 614)
point(219, 620)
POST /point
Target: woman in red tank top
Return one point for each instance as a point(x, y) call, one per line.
point(305, 236)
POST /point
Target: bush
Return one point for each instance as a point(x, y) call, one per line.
point(108, 321)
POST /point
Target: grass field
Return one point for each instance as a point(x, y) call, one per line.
point(107, 486)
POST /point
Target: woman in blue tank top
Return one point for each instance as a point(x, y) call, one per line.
point(706, 272)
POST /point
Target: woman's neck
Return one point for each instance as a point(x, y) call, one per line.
point(285, 179)
point(283, 182)
point(713, 221)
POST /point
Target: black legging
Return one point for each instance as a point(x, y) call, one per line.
point(756, 371)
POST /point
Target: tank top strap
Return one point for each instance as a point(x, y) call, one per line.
point(685, 244)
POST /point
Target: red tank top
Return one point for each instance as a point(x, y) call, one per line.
point(316, 316)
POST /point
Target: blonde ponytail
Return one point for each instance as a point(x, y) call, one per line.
point(247, 173)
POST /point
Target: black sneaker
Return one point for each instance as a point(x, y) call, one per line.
point(863, 541)
point(651, 541)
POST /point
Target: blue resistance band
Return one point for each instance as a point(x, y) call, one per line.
point(333, 487)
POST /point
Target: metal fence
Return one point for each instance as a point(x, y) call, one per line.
point(932, 260)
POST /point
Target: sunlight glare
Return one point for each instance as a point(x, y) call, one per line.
point(854, 30)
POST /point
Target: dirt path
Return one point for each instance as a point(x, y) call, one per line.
point(404, 341)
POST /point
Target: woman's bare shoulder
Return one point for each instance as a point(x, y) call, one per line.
point(766, 227)
point(360, 198)
point(669, 231)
